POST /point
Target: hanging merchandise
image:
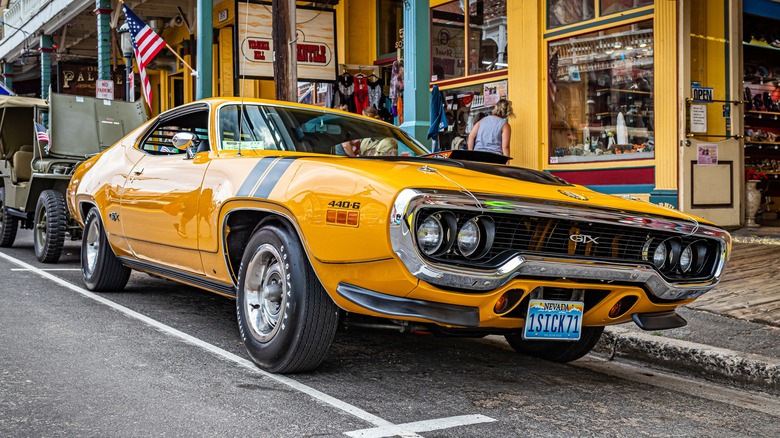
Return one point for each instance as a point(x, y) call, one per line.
point(374, 91)
point(361, 93)
point(347, 90)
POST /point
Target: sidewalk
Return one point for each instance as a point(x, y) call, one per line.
point(733, 331)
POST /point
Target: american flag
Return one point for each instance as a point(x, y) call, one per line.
point(146, 44)
point(40, 132)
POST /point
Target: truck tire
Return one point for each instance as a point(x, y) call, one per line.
point(286, 319)
point(100, 267)
point(50, 226)
point(8, 223)
point(557, 351)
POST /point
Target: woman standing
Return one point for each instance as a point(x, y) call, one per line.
point(492, 133)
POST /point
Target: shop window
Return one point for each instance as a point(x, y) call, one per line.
point(565, 12)
point(487, 38)
point(390, 19)
point(448, 42)
point(601, 95)
point(465, 106)
point(608, 7)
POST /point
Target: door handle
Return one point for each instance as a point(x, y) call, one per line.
point(138, 171)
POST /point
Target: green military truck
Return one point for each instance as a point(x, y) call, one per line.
point(36, 164)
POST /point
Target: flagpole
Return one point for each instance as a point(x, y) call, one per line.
point(194, 72)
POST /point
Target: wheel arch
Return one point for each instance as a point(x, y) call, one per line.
point(238, 226)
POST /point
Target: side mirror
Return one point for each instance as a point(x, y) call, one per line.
point(184, 140)
point(187, 141)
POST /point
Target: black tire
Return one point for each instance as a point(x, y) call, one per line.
point(557, 351)
point(8, 223)
point(101, 270)
point(286, 319)
point(50, 226)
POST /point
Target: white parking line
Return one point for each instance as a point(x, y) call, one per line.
point(400, 430)
point(420, 426)
point(45, 269)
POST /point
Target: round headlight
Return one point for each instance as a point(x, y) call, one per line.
point(430, 235)
point(659, 256)
point(469, 237)
point(686, 259)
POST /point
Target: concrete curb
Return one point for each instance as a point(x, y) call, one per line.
point(746, 369)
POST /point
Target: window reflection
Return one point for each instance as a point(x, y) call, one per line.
point(615, 6)
point(601, 95)
point(564, 12)
point(487, 36)
point(448, 43)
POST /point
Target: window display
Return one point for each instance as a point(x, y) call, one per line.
point(465, 106)
point(601, 95)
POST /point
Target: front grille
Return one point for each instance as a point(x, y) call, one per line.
point(552, 237)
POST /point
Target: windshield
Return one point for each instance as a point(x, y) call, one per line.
point(261, 127)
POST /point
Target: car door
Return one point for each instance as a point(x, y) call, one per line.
point(159, 203)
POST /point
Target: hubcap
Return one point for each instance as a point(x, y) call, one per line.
point(93, 246)
point(40, 227)
point(265, 292)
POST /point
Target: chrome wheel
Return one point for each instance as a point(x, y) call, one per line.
point(92, 246)
point(266, 289)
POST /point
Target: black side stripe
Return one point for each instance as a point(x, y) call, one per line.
point(270, 180)
point(255, 175)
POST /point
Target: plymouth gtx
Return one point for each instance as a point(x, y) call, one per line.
point(256, 200)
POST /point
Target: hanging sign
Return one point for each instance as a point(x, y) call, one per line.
point(701, 94)
point(315, 41)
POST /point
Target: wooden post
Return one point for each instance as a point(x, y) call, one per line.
point(285, 49)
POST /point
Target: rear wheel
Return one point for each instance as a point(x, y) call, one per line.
point(8, 223)
point(557, 351)
point(286, 319)
point(101, 269)
point(50, 226)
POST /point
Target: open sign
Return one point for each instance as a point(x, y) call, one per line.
point(702, 94)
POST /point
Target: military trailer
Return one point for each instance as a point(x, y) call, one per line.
point(36, 163)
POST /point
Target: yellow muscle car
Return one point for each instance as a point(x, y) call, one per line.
point(257, 200)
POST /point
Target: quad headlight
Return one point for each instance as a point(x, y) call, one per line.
point(430, 235)
point(673, 256)
point(686, 259)
point(444, 232)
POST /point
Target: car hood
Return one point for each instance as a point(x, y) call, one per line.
point(482, 178)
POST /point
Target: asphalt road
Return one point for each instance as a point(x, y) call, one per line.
point(161, 359)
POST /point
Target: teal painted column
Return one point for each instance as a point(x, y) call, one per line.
point(45, 49)
point(203, 49)
point(417, 69)
point(8, 75)
point(103, 12)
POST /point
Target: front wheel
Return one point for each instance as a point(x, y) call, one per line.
point(50, 226)
point(101, 269)
point(8, 223)
point(557, 351)
point(286, 319)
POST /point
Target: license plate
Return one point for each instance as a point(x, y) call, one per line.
point(554, 320)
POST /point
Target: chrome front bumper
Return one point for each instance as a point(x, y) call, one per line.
point(410, 200)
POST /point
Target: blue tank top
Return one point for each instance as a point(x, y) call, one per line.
point(489, 134)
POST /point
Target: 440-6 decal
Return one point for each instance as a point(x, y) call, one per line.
point(344, 204)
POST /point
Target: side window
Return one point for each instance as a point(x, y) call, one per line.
point(247, 129)
point(158, 140)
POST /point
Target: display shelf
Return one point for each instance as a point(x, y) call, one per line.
point(772, 115)
point(759, 143)
point(621, 90)
point(760, 46)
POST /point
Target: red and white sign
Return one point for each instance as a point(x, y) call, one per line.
point(104, 89)
point(315, 42)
